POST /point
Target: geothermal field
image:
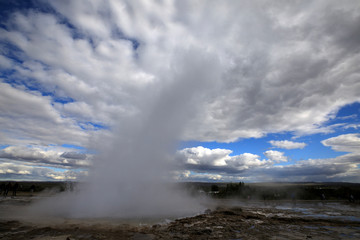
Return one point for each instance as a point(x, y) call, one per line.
point(43, 215)
point(191, 119)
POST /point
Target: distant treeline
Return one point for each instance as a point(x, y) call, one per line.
point(36, 186)
point(280, 191)
point(240, 190)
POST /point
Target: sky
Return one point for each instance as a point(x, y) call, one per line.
point(251, 91)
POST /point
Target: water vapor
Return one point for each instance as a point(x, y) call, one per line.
point(131, 176)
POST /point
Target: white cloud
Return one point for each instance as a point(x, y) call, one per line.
point(271, 79)
point(246, 161)
point(230, 70)
point(287, 144)
point(355, 126)
point(341, 169)
point(21, 171)
point(46, 156)
point(204, 156)
point(206, 177)
point(218, 160)
point(248, 167)
point(276, 156)
point(29, 118)
point(344, 143)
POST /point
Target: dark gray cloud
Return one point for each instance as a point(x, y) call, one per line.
point(18, 170)
point(344, 143)
point(46, 156)
point(73, 155)
point(248, 167)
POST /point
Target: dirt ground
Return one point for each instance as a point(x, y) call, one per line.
point(225, 220)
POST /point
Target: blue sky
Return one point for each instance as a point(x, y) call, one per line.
point(314, 148)
point(82, 83)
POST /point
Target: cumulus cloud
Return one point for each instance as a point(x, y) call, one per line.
point(218, 160)
point(46, 156)
point(276, 156)
point(344, 143)
point(205, 177)
point(242, 69)
point(287, 144)
point(204, 156)
point(43, 163)
point(246, 161)
point(22, 171)
point(273, 77)
point(248, 167)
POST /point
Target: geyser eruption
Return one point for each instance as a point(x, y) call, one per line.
point(131, 175)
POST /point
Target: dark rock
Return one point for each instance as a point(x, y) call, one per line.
point(227, 212)
point(202, 231)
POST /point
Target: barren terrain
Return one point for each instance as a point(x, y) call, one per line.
point(225, 219)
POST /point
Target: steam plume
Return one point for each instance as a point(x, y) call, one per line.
point(130, 177)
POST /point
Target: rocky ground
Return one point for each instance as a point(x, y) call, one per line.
point(229, 221)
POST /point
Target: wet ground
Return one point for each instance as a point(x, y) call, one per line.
point(225, 219)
